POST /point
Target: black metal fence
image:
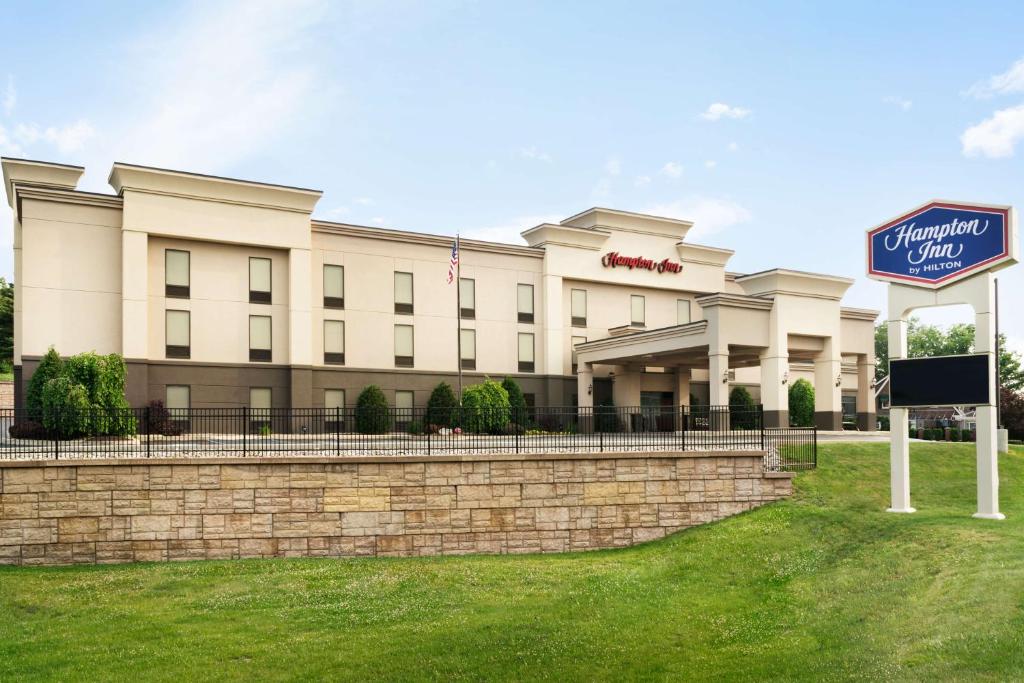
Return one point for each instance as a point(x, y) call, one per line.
point(157, 432)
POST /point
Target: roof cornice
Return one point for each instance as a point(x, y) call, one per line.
point(409, 237)
point(858, 313)
point(735, 301)
point(106, 201)
point(687, 330)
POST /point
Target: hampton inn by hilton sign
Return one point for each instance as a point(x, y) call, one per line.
point(614, 259)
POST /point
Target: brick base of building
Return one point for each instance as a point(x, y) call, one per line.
point(67, 512)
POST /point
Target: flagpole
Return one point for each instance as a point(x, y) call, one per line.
point(458, 310)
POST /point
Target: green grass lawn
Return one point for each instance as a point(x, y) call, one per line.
point(824, 586)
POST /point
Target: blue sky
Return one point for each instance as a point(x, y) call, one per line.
point(784, 131)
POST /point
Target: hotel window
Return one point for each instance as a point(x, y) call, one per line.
point(682, 311)
point(259, 339)
point(403, 292)
point(403, 409)
point(574, 341)
point(524, 303)
point(467, 298)
point(579, 307)
point(334, 406)
point(636, 308)
point(525, 352)
point(177, 334)
point(259, 280)
point(176, 274)
point(334, 286)
point(334, 342)
point(467, 343)
point(178, 402)
point(259, 407)
point(403, 346)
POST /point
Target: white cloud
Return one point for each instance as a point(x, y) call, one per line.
point(7, 145)
point(377, 220)
point(69, 138)
point(642, 180)
point(720, 110)
point(612, 166)
point(224, 81)
point(339, 212)
point(710, 163)
point(363, 201)
point(508, 232)
point(10, 96)
point(672, 169)
point(535, 154)
point(710, 215)
point(900, 102)
point(996, 136)
point(1008, 82)
point(732, 147)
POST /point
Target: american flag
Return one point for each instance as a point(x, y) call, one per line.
point(454, 262)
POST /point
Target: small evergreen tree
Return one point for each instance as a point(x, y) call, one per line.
point(485, 407)
point(372, 415)
point(442, 406)
point(50, 367)
point(516, 400)
point(801, 403)
point(742, 409)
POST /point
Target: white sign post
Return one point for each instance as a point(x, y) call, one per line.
point(944, 253)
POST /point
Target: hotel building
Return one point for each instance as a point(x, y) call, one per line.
point(221, 292)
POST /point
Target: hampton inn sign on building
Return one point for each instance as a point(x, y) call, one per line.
point(223, 292)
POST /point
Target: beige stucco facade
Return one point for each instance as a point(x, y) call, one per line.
point(90, 275)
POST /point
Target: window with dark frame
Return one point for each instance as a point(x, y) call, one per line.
point(334, 409)
point(467, 298)
point(177, 276)
point(403, 293)
point(334, 342)
point(578, 307)
point(260, 338)
point(524, 303)
point(404, 345)
point(260, 404)
point(403, 409)
point(178, 402)
point(637, 310)
point(682, 311)
point(334, 286)
point(259, 280)
point(467, 349)
point(526, 352)
point(177, 334)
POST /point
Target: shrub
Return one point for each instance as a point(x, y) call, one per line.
point(29, 429)
point(516, 400)
point(1011, 412)
point(967, 435)
point(66, 408)
point(50, 367)
point(801, 403)
point(415, 428)
point(159, 420)
point(372, 415)
point(485, 407)
point(442, 406)
point(883, 423)
point(742, 409)
point(954, 434)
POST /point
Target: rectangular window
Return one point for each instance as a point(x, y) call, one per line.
point(579, 308)
point(403, 409)
point(403, 346)
point(178, 334)
point(334, 342)
point(525, 352)
point(467, 340)
point(403, 292)
point(178, 402)
point(467, 298)
point(259, 339)
point(682, 311)
point(574, 342)
point(259, 407)
point(334, 286)
point(524, 303)
point(334, 409)
point(638, 314)
point(176, 274)
point(259, 280)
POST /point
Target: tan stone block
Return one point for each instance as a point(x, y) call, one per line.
point(150, 527)
point(77, 529)
point(19, 506)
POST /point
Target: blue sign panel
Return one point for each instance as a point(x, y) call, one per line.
point(940, 243)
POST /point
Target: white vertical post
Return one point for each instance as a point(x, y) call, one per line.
point(987, 453)
point(899, 448)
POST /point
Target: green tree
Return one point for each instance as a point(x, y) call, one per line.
point(6, 324)
point(372, 415)
point(50, 367)
point(742, 409)
point(516, 400)
point(801, 403)
point(485, 407)
point(442, 406)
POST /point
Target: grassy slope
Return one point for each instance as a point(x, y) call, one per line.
point(825, 586)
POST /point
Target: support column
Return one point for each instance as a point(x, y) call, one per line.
point(866, 419)
point(682, 396)
point(135, 315)
point(775, 390)
point(987, 450)
point(585, 396)
point(718, 390)
point(300, 327)
point(626, 393)
point(828, 402)
point(899, 449)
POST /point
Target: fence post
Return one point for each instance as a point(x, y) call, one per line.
point(760, 416)
point(515, 427)
point(146, 418)
point(245, 429)
point(56, 434)
point(337, 428)
point(600, 440)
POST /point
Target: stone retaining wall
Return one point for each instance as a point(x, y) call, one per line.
point(63, 512)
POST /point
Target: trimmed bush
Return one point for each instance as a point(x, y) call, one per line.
point(742, 409)
point(372, 415)
point(66, 408)
point(801, 403)
point(50, 367)
point(966, 435)
point(954, 434)
point(516, 400)
point(485, 407)
point(442, 407)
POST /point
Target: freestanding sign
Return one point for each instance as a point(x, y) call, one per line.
point(944, 253)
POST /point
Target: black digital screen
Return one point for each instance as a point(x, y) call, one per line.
point(939, 381)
